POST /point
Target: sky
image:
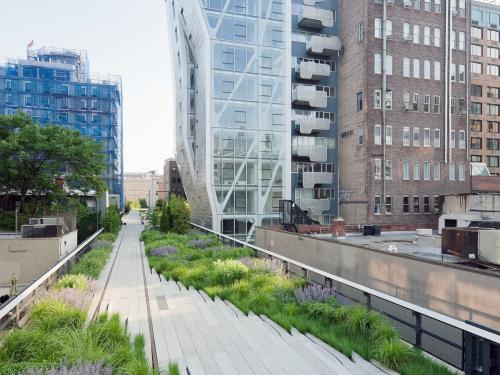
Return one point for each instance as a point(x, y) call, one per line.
point(124, 37)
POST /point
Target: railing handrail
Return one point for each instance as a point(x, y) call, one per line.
point(11, 305)
point(473, 329)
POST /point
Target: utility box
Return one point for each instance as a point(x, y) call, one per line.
point(461, 242)
point(489, 246)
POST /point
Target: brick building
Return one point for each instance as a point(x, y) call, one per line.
point(399, 151)
point(485, 85)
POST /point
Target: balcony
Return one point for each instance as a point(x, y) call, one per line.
point(310, 179)
point(314, 206)
point(313, 71)
point(309, 125)
point(317, 153)
point(315, 18)
point(308, 95)
point(323, 45)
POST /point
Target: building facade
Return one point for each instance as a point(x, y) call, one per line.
point(172, 179)
point(403, 109)
point(485, 85)
point(54, 86)
point(148, 186)
point(233, 67)
point(315, 47)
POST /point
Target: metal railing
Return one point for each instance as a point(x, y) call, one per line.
point(14, 307)
point(464, 345)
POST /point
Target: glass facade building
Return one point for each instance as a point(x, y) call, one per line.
point(54, 86)
point(233, 69)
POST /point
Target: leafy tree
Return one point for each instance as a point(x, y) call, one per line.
point(34, 158)
point(143, 203)
point(175, 216)
point(159, 204)
point(166, 219)
point(128, 206)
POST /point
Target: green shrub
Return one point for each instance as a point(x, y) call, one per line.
point(226, 272)
point(393, 353)
point(92, 263)
point(112, 221)
point(49, 315)
point(111, 237)
point(78, 281)
point(173, 369)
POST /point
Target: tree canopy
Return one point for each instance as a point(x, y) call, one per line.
point(35, 157)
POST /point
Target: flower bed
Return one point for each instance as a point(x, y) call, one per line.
point(261, 286)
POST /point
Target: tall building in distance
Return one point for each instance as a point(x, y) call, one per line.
point(232, 72)
point(315, 47)
point(54, 86)
point(149, 186)
point(485, 85)
point(172, 179)
point(403, 109)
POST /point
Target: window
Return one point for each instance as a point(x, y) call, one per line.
point(493, 35)
point(416, 204)
point(416, 68)
point(427, 204)
point(437, 170)
point(416, 136)
point(406, 31)
point(493, 70)
point(361, 32)
point(427, 35)
point(492, 144)
point(453, 72)
point(461, 139)
point(388, 205)
point(388, 65)
point(493, 92)
point(388, 169)
point(437, 37)
point(437, 70)
point(406, 101)
point(377, 205)
point(476, 158)
point(388, 135)
point(388, 99)
point(493, 52)
point(378, 28)
point(378, 135)
point(476, 108)
point(461, 171)
point(378, 169)
point(406, 136)
point(377, 99)
point(416, 170)
point(406, 204)
point(406, 67)
point(476, 32)
point(416, 99)
point(476, 68)
point(451, 173)
point(477, 90)
point(453, 105)
point(416, 34)
point(359, 101)
point(416, 4)
point(492, 161)
point(437, 104)
point(427, 137)
point(437, 138)
point(453, 39)
point(461, 41)
point(493, 110)
point(361, 136)
point(476, 143)
point(377, 64)
point(493, 127)
point(427, 170)
point(452, 139)
point(437, 6)
point(427, 103)
point(437, 204)
point(406, 170)
point(476, 50)
point(427, 69)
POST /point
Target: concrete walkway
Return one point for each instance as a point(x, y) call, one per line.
point(205, 336)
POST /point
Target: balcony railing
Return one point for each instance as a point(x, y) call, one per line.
point(323, 45)
point(318, 153)
point(310, 179)
point(313, 71)
point(308, 125)
point(310, 96)
point(314, 206)
point(315, 18)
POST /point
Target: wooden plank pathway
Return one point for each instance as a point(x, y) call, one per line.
point(202, 335)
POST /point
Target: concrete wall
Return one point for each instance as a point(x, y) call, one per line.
point(29, 258)
point(456, 291)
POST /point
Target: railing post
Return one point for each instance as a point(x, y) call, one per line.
point(418, 329)
point(286, 267)
point(305, 272)
point(368, 301)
